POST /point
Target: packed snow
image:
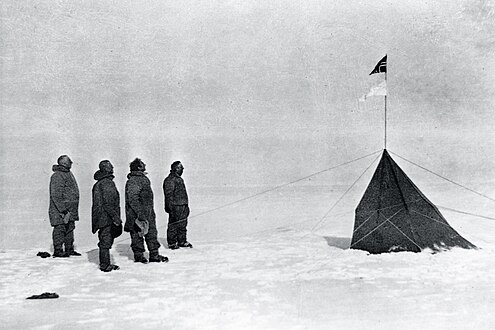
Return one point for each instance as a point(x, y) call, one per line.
point(278, 277)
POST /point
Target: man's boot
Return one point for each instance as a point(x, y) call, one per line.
point(186, 244)
point(70, 251)
point(59, 253)
point(140, 258)
point(104, 259)
point(173, 246)
point(155, 257)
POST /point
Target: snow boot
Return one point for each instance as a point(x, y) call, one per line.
point(141, 259)
point(186, 245)
point(109, 268)
point(60, 254)
point(173, 246)
point(158, 258)
point(73, 253)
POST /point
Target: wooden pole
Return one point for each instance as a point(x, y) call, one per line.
point(386, 91)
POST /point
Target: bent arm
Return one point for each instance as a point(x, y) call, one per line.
point(168, 191)
point(57, 187)
point(110, 196)
point(133, 193)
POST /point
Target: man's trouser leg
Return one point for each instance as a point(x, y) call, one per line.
point(172, 233)
point(105, 244)
point(137, 243)
point(182, 231)
point(152, 239)
point(69, 236)
point(58, 237)
point(177, 213)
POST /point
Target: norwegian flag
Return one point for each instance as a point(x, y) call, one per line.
point(381, 66)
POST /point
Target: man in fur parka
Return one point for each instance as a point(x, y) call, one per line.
point(140, 216)
point(64, 207)
point(177, 207)
point(105, 212)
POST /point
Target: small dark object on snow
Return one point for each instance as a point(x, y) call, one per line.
point(74, 253)
point(158, 258)
point(46, 295)
point(44, 254)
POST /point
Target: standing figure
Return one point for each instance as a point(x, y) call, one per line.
point(105, 212)
point(176, 205)
point(64, 208)
point(140, 217)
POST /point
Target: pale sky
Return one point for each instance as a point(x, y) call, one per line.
point(243, 92)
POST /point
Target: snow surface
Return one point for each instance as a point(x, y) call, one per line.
point(281, 279)
point(259, 265)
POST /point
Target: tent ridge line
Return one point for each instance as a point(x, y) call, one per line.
point(392, 163)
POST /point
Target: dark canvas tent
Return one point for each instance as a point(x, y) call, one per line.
point(394, 215)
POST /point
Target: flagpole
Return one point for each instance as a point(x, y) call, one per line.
point(385, 112)
point(380, 67)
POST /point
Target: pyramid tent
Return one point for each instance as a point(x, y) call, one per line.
point(394, 215)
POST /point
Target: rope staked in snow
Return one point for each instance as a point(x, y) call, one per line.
point(387, 219)
point(272, 189)
point(282, 185)
point(341, 197)
point(467, 213)
point(444, 178)
point(419, 247)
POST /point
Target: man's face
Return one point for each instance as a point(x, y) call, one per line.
point(66, 162)
point(142, 166)
point(179, 169)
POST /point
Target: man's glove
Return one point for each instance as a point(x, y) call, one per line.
point(117, 221)
point(67, 217)
point(143, 226)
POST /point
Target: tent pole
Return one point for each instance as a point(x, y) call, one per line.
point(385, 119)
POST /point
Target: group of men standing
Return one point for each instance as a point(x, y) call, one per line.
point(105, 213)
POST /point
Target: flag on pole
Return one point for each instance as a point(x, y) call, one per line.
point(379, 90)
point(380, 66)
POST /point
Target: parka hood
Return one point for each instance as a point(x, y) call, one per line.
point(59, 168)
point(136, 173)
point(99, 175)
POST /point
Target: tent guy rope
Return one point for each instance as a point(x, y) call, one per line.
point(341, 197)
point(277, 187)
point(444, 178)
